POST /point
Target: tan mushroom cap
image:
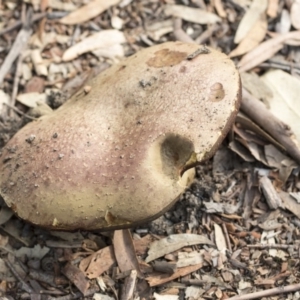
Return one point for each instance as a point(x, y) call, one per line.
point(113, 157)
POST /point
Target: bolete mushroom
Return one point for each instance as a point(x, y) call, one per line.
point(122, 153)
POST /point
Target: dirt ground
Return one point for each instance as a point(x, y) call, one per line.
point(235, 232)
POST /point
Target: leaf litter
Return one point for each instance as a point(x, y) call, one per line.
point(234, 234)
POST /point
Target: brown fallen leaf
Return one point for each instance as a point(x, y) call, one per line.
point(158, 279)
point(35, 84)
point(125, 252)
point(141, 245)
point(97, 263)
point(77, 277)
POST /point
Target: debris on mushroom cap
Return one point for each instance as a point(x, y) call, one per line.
point(114, 157)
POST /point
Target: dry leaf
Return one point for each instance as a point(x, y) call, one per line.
point(77, 277)
point(4, 99)
point(242, 151)
point(102, 39)
point(220, 8)
point(267, 237)
point(189, 259)
point(86, 12)
point(248, 124)
point(116, 22)
point(174, 242)
point(253, 83)
point(31, 99)
point(141, 245)
point(5, 214)
point(165, 297)
point(11, 228)
point(98, 296)
point(295, 14)
point(40, 65)
point(272, 8)
point(285, 102)
point(98, 262)
point(125, 252)
point(276, 159)
point(220, 239)
point(190, 14)
point(61, 5)
point(214, 280)
point(265, 50)
point(163, 278)
point(194, 292)
point(250, 18)
point(112, 52)
point(35, 84)
point(285, 23)
point(36, 252)
point(256, 34)
point(290, 204)
point(272, 198)
point(68, 236)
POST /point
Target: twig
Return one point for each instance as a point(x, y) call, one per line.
point(200, 3)
point(19, 112)
point(48, 278)
point(267, 293)
point(204, 36)
point(286, 66)
point(25, 286)
point(35, 18)
point(77, 295)
point(179, 34)
point(18, 74)
point(273, 246)
point(227, 237)
point(129, 286)
point(17, 47)
point(258, 112)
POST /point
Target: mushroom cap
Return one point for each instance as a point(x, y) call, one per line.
point(114, 157)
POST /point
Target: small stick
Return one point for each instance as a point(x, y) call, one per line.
point(272, 246)
point(17, 47)
point(17, 24)
point(227, 237)
point(179, 34)
point(268, 293)
point(129, 286)
point(77, 295)
point(18, 75)
point(25, 286)
point(204, 36)
point(19, 112)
